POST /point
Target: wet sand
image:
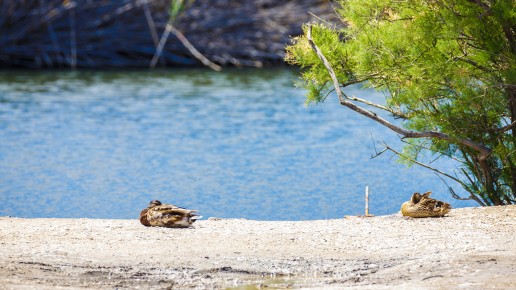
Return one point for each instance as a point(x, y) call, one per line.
point(471, 248)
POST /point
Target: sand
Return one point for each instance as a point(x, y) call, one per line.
point(473, 248)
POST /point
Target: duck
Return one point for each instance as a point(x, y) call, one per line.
point(421, 206)
point(158, 214)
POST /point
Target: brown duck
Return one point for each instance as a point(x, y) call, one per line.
point(421, 206)
point(167, 215)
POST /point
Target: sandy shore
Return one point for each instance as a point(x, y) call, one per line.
point(471, 248)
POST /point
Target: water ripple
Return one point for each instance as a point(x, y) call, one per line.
point(234, 144)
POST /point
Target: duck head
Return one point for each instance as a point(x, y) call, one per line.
point(416, 197)
point(154, 203)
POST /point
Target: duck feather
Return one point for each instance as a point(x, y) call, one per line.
point(167, 215)
point(422, 205)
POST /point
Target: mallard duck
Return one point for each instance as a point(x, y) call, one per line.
point(167, 215)
point(421, 205)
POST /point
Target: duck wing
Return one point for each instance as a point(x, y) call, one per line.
point(434, 207)
point(168, 215)
point(143, 218)
point(169, 206)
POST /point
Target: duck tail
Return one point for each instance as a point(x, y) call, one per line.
point(196, 217)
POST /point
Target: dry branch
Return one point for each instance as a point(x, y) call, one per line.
point(186, 43)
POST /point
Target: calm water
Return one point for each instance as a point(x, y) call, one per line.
point(234, 144)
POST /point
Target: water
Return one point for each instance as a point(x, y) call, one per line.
point(236, 144)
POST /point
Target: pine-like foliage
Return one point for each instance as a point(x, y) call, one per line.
point(446, 66)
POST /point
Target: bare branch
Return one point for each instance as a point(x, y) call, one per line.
point(456, 196)
point(161, 45)
point(472, 196)
point(484, 151)
point(469, 61)
point(387, 147)
point(150, 22)
point(505, 128)
point(326, 64)
point(170, 28)
point(194, 51)
point(452, 192)
point(421, 146)
point(364, 101)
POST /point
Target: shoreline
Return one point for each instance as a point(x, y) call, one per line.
point(471, 247)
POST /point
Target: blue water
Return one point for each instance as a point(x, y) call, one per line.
point(235, 144)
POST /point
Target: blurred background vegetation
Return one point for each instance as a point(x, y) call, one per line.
point(106, 34)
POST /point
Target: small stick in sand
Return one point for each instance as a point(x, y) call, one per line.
point(367, 202)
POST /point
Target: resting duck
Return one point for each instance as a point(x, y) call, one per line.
point(421, 205)
point(167, 215)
